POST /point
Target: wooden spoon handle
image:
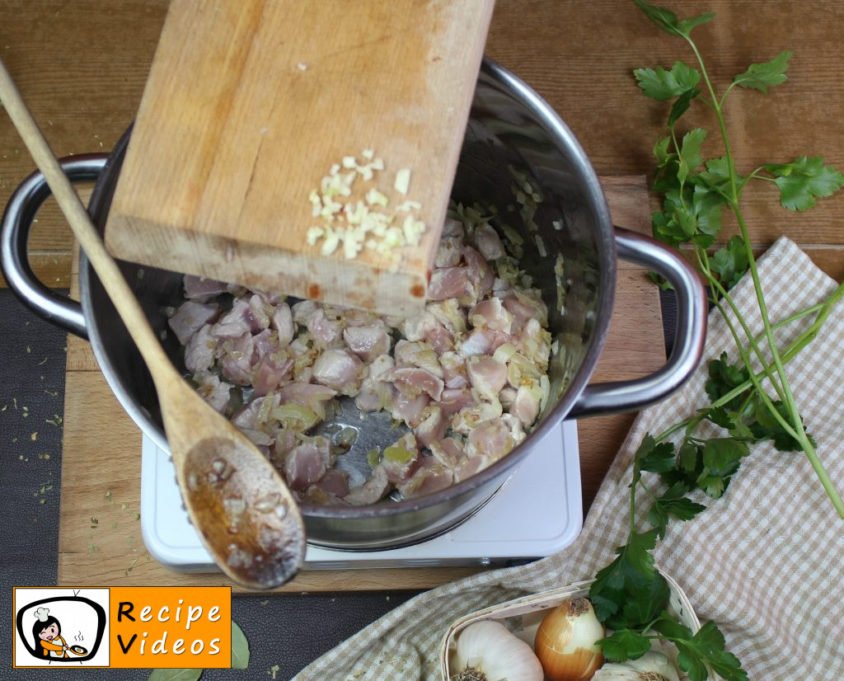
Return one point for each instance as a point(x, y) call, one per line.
point(80, 222)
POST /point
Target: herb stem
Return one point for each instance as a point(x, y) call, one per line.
point(703, 263)
point(757, 383)
point(823, 309)
point(796, 427)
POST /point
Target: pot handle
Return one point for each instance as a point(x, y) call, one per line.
point(14, 236)
point(606, 398)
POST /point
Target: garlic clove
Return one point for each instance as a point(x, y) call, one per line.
point(487, 651)
point(652, 666)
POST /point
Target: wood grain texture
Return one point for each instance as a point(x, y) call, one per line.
point(248, 106)
point(560, 48)
point(101, 450)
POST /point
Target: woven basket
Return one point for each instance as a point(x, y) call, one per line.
point(524, 614)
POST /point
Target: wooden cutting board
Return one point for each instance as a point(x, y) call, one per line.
point(251, 104)
point(100, 541)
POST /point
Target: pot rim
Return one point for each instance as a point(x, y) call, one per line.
point(564, 139)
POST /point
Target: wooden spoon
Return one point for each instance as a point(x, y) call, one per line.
point(247, 517)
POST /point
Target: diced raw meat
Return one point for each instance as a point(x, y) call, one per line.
point(367, 342)
point(409, 409)
point(448, 252)
point(453, 227)
point(375, 395)
point(340, 370)
point(454, 370)
point(234, 323)
point(326, 331)
point(452, 282)
point(479, 272)
point(466, 375)
point(448, 451)
point(202, 289)
point(259, 438)
point(488, 242)
point(236, 359)
point(491, 438)
point(478, 342)
point(524, 307)
point(411, 382)
point(417, 354)
point(214, 391)
point(307, 462)
point(492, 314)
point(471, 465)
point(272, 370)
point(433, 426)
point(400, 459)
point(372, 491)
point(430, 477)
point(190, 317)
point(467, 419)
point(255, 414)
point(450, 315)
point(200, 350)
point(308, 395)
point(261, 312)
point(487, 375)
point(526, 405)
point(381, 368)
point(455, 399)
point(282, 322)
point(335, 482)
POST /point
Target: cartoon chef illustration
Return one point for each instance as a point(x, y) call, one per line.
point(47, 631)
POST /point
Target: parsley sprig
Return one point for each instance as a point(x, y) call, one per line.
point(630, 596)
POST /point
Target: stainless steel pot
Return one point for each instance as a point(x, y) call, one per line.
point(512, 134)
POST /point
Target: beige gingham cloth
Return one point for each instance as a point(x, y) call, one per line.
point(765, 562)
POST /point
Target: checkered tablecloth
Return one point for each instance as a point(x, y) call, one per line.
point(765, 562)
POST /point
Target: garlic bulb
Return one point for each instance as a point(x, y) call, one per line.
point(566, 641)
point(652, 666)
point(487, 651)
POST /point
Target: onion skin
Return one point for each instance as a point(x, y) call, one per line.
point(566, 642)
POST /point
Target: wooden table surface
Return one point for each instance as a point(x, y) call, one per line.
point(82, 66)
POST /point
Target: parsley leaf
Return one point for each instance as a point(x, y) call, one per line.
point(696, 651)
point(721, 458)
point(624, 644)
point(761, 76)
point(680, 106)
point(668, 21)
point(730, 262)
point(722, 455)
point(657, 458)
point(708, 206)
point(724, 378)
point(766, 427)
point(663, 156)
point(678, 208)
point(660, 84)
point(803, 180)
point(673, 503)
point(689, 459)
point(690, 156)
point(716, 176)
point(629, 592)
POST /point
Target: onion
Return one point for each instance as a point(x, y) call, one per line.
point(566, 641)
